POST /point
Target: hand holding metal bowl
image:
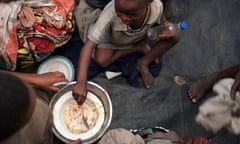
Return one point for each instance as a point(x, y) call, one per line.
point(97, 96)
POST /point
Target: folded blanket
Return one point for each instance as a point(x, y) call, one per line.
point(215, 113)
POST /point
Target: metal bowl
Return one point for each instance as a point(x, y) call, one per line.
point(95, 93)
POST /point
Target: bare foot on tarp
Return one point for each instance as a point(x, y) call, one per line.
point(198, 89)
point(146, 76)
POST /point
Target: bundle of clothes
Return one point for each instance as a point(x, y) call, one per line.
point(217, 112)
point(31, 30)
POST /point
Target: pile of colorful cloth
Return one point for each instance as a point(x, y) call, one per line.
point(31, 30)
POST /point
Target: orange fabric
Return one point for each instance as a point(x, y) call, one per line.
point(8, 34)
point(35, 29)
point(64, 6)
point(53, 28)
point(12, 45)
point(195, 140)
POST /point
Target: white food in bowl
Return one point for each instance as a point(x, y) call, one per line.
point(74, 114)
point(96, 94)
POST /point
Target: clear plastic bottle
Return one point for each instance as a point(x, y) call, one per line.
point(166, 30)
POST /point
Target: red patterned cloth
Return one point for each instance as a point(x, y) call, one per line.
point(53, 28)
point(31, 30)
point(195, 140)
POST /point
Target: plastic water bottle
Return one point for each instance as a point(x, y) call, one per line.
point(166, 30)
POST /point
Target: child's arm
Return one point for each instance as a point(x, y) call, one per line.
point(163, 19)
point(75, 142)
point(80, 88)
point(45, 80)
point(236, 86)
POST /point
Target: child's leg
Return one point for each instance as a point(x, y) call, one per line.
point(105, 57)
point(157, 50)
point(102, 56)
point(201, 86)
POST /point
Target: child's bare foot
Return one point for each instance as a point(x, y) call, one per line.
point(198, 89)
point(146, 76)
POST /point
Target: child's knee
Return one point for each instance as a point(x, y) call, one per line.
point(101, 61)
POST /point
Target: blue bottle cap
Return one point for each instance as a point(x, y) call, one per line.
point(183, 25)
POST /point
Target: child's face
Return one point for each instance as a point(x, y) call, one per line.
point(131, 12)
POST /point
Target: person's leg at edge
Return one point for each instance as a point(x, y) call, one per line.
point(201, 86)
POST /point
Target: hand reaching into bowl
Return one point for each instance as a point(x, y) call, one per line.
point(75, 142)
point(80, 92)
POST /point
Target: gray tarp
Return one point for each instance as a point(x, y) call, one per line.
point(210, 44)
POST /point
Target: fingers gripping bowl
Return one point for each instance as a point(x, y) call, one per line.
point(95, 121)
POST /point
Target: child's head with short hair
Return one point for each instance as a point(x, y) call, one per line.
point(132, 12)
point(17, 102)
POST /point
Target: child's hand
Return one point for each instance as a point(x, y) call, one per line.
point(47, 80)
point(75, 142)
point(236, 113)
point(80, 92)
point(168, 34)
point(236, 86)
point(165, 35)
